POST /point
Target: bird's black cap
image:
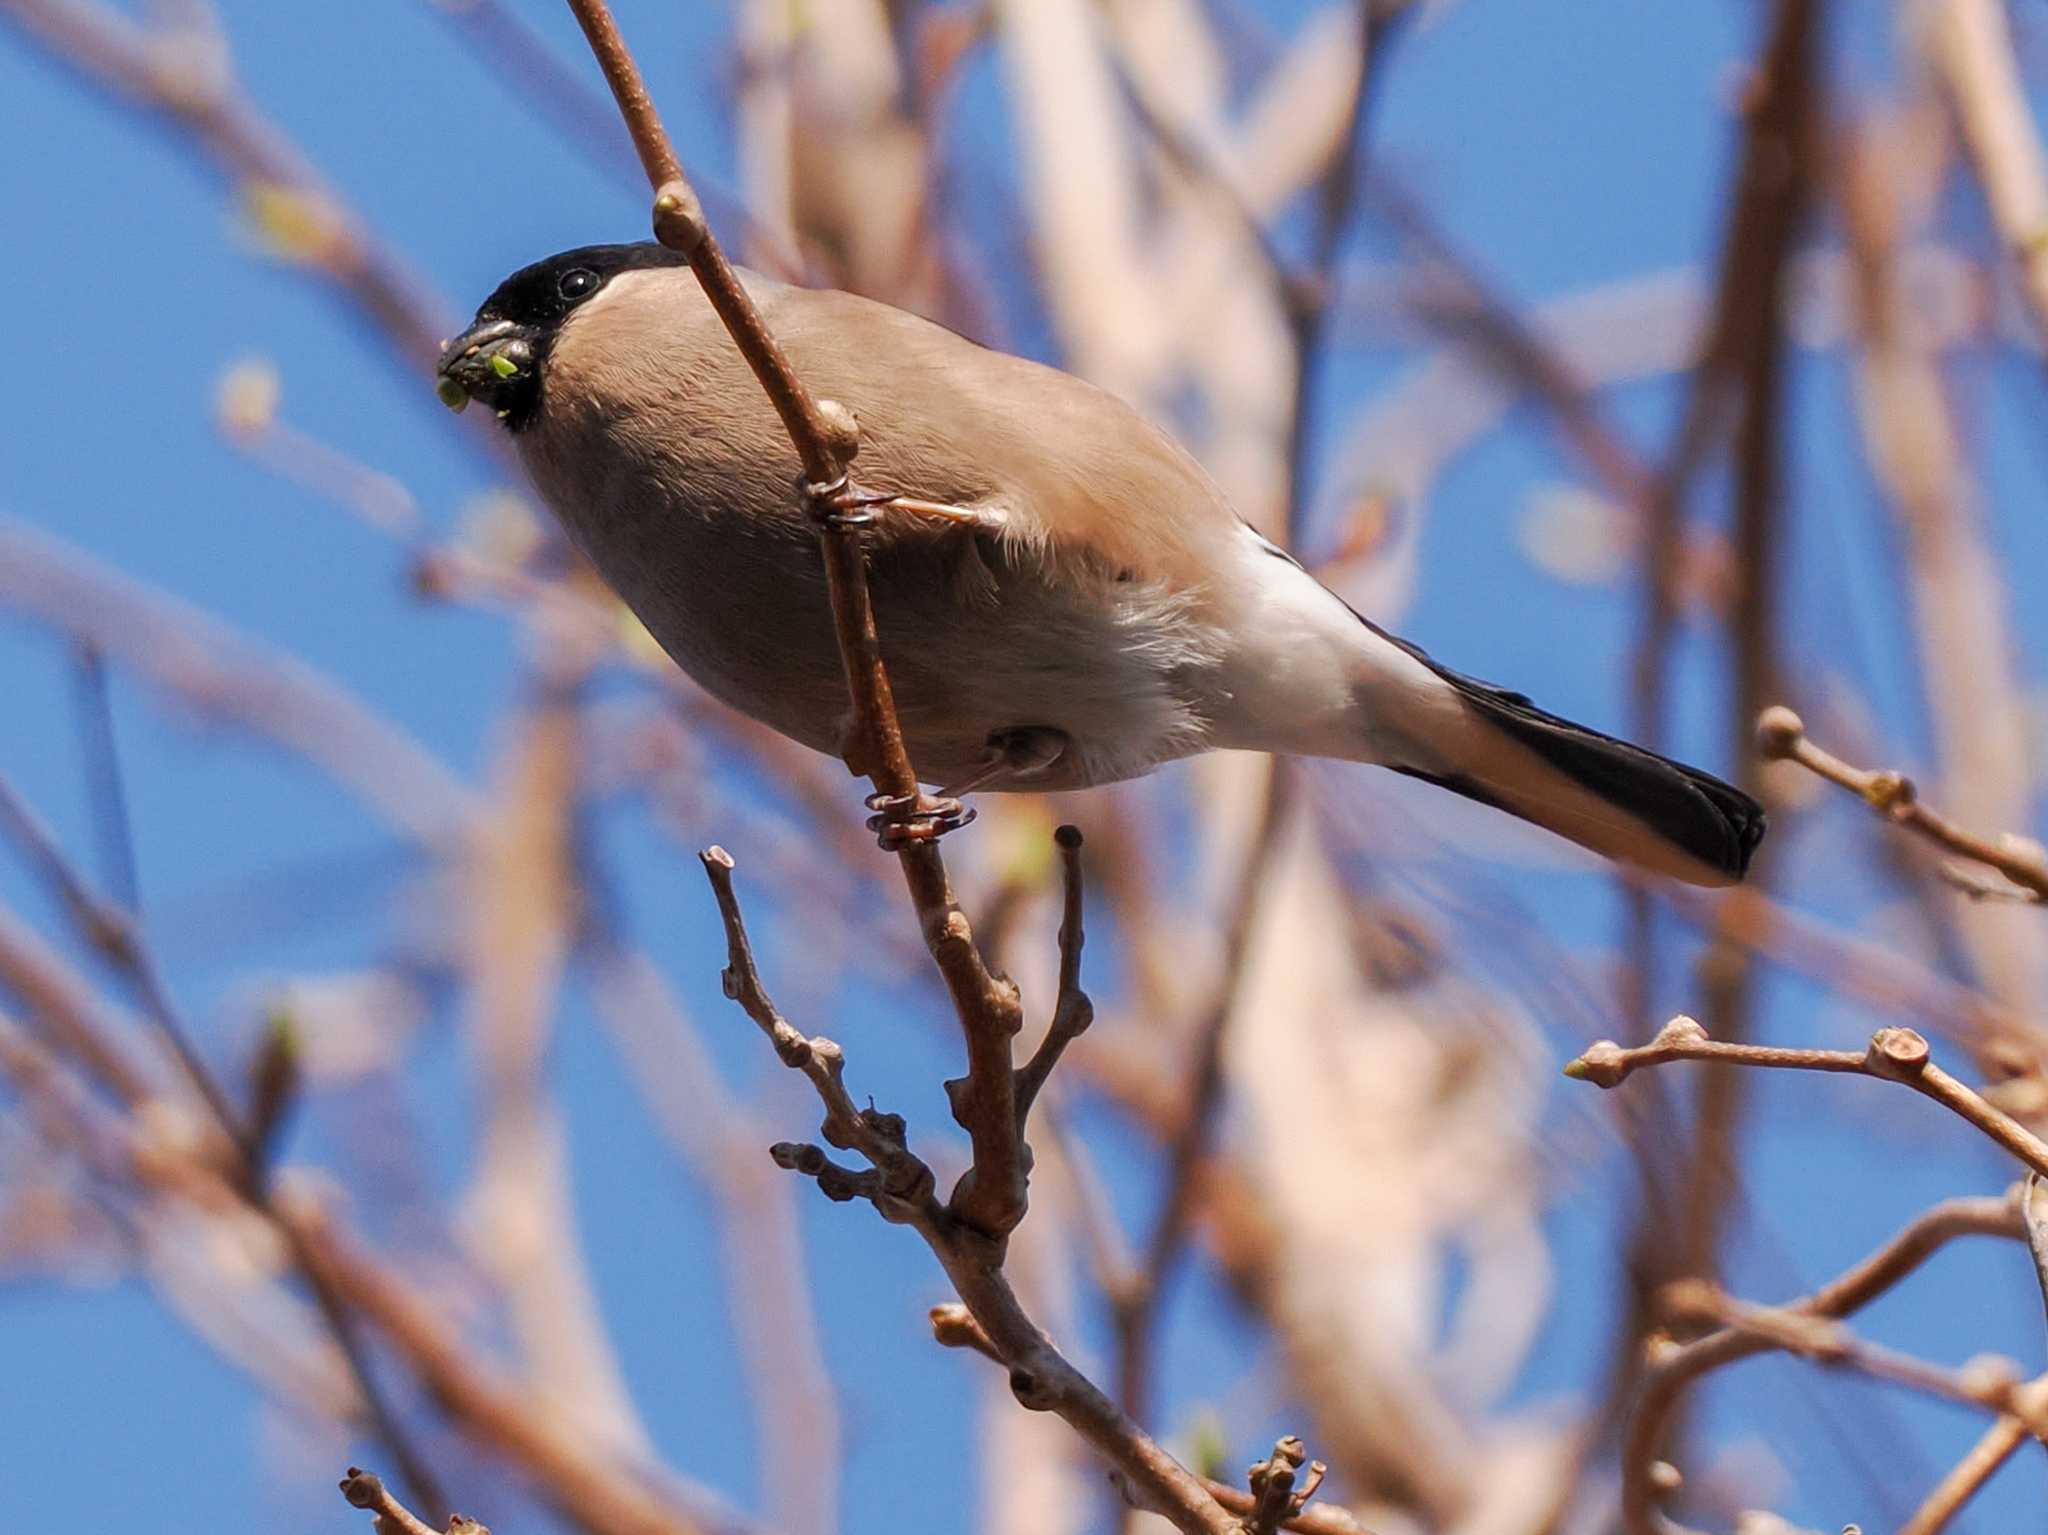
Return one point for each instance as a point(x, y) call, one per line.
point(501, 358)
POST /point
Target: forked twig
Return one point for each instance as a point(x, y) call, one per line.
point(898, 1183)
point(1674, 1368)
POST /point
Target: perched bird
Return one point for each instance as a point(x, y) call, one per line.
point(1063, 596)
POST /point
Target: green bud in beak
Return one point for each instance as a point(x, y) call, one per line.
point(451, 394)
point(504, 366)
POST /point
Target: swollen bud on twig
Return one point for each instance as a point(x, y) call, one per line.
point(1779, 732)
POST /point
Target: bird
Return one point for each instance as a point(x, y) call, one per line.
point(1063, 596)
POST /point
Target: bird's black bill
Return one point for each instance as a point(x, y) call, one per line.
point(494, 362)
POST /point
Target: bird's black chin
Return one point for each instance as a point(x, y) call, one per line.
point(495, 362)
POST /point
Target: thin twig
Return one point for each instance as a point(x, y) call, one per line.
point(113, 935)
point(1781, 734)
point(953, 1327)
point(1272, 1483)
point(1137, 1311)
point(1672, 1369)
point(1310, 297)
point(103, 773)
point(1895, 1055)
point(1072, 1010)
point(1988, 1382)
point(1973, 50)
point(366, 1490)
point(1316, 1519)
point(903, 1190)
point(1967, 1477)
point(2037, 1234)
point(146, 66)
point(898, 1183)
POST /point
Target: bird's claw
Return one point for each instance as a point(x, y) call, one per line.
point(901, 820)
point(836, 504)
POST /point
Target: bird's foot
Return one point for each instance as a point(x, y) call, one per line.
point(838, 503)
point(901, 820)
point(842, 504)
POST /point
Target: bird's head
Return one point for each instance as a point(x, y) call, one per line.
point(501, 360)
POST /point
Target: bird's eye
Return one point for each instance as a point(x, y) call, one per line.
point(577, 284)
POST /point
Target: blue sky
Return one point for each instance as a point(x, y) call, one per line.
point(1565, 147)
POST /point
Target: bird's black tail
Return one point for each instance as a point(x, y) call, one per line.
point(1605, 794)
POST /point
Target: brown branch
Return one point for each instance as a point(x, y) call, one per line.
point(70, 1015)
point(1318, 1519)
point(148, 67)
point(953, 1327)
point(1274, 1499)
point(992, 1194)
point(1781, 734)
point(587, 1489)
point(1895, 1055)
point(1967, 1478)
point(2037, 1234)
point(590, 1491)
point(1672, 1369)
point(902, 1189)
point(1988, 1381)
point(1137, 1308)
point(1972, 48)
point(225, 676)
point(1310, 297)
point(1768, 194)
point(899, 1185)
point(112, 934)
point(1072, 1011)
point(366, 1490)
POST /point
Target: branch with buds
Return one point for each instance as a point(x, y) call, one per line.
point(2019, 861)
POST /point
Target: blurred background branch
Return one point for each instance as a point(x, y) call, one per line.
point(397, 805)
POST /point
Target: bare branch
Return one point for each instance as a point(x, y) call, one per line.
point(1972, 48)
point(1187, 1148)
point(1988, 1382)
point(316, 229)
point(365, 1489)
point(2037, 1233)
point(899, 1184)
point(1274, 1499)
point(1895, 1055)
point(1320, 1519)
point(113, 934)
point(1672, 1369)
point(1967, 1478)
point(1781, 734)
point(1073, 1011)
